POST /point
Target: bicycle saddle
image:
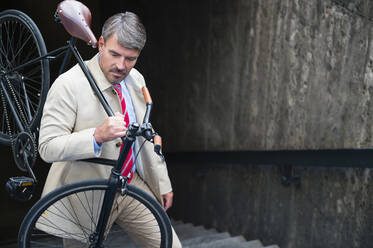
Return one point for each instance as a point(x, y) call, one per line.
point(76, 19)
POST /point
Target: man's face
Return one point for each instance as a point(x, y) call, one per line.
point(116, 61)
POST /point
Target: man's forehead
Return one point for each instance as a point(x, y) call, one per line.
point(129, 53)
point(115, 47)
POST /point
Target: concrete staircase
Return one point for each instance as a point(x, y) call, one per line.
point(199, 237)
point(190, 236)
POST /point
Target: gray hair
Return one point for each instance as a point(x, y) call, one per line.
point(128, 29)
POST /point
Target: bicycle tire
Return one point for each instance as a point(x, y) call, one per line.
point(20, 42)
point(91, 194)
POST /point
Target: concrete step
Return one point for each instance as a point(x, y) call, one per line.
point(176, 222)
point(198, 237)
point(236, 242)
point(204, 239)
point(188, 231)
point(254, 244)
point(191, 236)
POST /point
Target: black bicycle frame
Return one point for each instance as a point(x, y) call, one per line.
point(51, 55)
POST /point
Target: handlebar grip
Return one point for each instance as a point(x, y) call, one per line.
point(146, 94)
point(157, 144)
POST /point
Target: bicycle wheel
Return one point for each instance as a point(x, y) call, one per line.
point(70, 215)
point(20, 42)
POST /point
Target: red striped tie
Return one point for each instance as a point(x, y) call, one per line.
point(128, 163)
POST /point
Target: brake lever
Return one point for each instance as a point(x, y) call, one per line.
point(157, 140)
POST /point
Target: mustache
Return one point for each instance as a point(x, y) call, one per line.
point(115, 69)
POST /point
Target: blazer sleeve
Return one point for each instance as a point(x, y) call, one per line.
point(155, 170)
point(57, 140)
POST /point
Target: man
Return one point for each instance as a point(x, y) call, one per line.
point(75, 126)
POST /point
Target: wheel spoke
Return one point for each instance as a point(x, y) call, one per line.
point(20, 49)
point(4, 51)
point(10, 50)
point(20, 42)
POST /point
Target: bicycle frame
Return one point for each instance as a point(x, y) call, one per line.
point(23, 120)
point(116, 181)
point(133, 130)
point(51, 55)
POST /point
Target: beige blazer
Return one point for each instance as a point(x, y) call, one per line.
point(71, 113)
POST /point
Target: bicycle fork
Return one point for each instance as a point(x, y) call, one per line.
point(96, 239)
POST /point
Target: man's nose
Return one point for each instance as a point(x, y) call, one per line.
point(121, 64)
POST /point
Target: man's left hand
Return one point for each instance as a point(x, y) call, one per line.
point(167, 200)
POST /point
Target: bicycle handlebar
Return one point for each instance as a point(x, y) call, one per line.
point(148, 133)
point(157, 144)
point(146, 94)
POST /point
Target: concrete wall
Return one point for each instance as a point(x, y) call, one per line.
point(332, 207)
point(265, 75)
point(243, 75)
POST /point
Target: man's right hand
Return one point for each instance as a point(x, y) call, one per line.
point(112, 128)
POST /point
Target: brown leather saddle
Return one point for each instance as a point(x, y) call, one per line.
point(76, 18)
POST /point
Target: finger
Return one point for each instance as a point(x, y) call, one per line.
point(167, 203)
point(118, 117)
point(117, 114)
point(121, 134)
point(119, 127)
point(167, 206)
point(119, 120)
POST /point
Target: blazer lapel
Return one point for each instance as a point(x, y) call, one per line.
point(103, 84)
point(101, 81)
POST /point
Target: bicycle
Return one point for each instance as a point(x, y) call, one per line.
point(24, 81)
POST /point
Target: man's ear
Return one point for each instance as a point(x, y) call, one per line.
point(101, 43)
